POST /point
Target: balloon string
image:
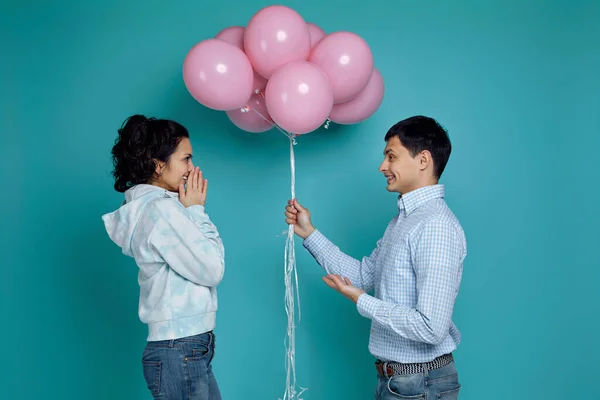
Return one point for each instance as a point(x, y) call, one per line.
point(290, 136)
point(292, 291)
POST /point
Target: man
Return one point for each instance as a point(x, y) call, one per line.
point(414, 272)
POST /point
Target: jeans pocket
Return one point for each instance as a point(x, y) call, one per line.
point(214, 346)
point(449, 394)
point(204, 351)
point(200, 352)
point(402, 392)
point(445, 387)
point(152, 372)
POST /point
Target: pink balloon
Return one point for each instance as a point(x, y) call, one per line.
point(218, 75)
point(256, 119)
point(260, 83)
point(347, 60)
point(363, 105)
point(275, 36)
point(233, 35)
point(299, 97)
point(316, 33)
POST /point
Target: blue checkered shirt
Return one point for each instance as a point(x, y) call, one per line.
point(414, 272)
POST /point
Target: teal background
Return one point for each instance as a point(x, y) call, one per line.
point(513, 82)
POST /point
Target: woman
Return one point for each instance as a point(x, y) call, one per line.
point(162, 224)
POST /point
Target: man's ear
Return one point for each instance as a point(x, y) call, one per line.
point(425, 160)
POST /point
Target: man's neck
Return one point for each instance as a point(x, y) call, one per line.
point(421, 185)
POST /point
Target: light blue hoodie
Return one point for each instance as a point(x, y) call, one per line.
point(180, 257)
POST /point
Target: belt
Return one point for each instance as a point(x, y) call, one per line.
point(389, 369)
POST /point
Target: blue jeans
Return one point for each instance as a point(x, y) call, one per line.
point(441, 383)
point(181, 368)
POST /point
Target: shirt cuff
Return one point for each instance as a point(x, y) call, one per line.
point(197, 214)
point(315, 242)
point(367, 305)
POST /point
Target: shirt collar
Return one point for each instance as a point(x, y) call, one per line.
point(173, 195)
point(414, 199)
point(144, 188)
point(167, 193)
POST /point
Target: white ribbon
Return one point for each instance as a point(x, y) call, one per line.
point(291, 293)
point(291, 283)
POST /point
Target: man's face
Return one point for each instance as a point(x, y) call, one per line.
point(400, 168)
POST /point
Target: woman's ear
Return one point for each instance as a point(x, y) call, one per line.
point(159, 166)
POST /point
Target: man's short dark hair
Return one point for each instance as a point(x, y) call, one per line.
point(420, 133)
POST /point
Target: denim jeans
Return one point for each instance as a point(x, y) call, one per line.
point(181, 368)
point(441, 383)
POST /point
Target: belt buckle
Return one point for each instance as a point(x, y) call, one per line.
point(384, 369)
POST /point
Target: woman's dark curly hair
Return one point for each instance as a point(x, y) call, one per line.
point(141, 142)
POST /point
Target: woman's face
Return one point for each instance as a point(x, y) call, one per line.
point(175, 172)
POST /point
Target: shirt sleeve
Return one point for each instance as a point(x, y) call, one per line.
point(438, 259)
point(334, 261)
point(188, 242)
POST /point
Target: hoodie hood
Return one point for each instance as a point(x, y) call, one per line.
point(121, 223)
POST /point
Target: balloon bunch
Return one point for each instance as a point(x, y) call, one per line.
point(280, 71)
point(289, 72)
